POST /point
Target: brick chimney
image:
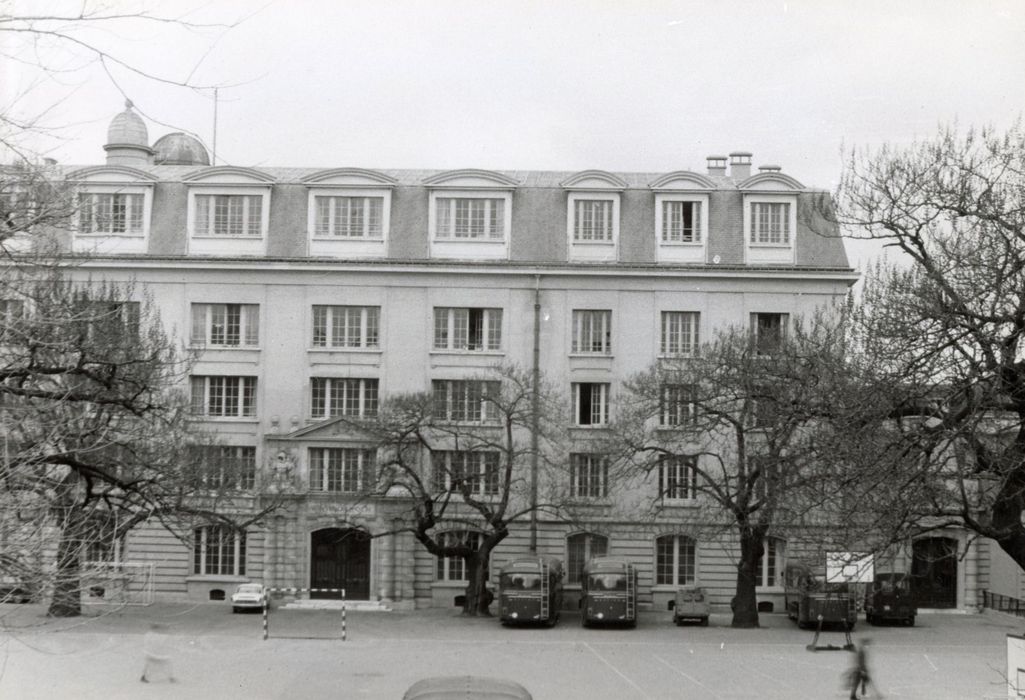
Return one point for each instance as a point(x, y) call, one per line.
point(716, 165)
point(740, 165)
point(769, 169)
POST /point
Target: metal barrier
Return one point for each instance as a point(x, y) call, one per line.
point(1003, 603)
point(266, 603)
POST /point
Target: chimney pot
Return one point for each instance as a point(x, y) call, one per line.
point(740, 165)
point(769, 168)
point(716, 165)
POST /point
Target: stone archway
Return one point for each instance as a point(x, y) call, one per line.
point(340, 558)
point(934, 572)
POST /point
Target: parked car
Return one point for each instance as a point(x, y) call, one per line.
point(463, 687)
point(248, 596)
point(889, 598)
point(690, 604)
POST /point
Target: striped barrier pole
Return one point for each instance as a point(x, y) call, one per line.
point(343, 614)
point(266, 603)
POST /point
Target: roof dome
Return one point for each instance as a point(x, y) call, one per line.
point(179, 149)
point(128, 128)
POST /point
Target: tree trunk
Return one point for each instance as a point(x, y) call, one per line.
point(67, 596)
point(745, 602)
point(478, 597)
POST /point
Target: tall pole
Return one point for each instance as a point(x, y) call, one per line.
point(535, 419)
point(213, 157)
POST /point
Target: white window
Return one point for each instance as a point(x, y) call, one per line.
point(341, 469)
point(226, 325)
point(348, 217)
point(238, 215)
point(679, 333)
point(453, 568)
point(768, 331)
point(355, 398)
point(593, 220)
point(225, 467)
point(591, 403)
point(113, 213)
point(770, 223)
point(675, 560)
point(465, 401)
point(589, 475)
point(580, 549)
point(467, 329)
point(218, 550)
point(592, 332)
point(773, 562)
point(469, 218)
point(475, 471)
point(681, 221)
point(678, 478)
point(677, 406)
point(352, 327)
point(224, 397)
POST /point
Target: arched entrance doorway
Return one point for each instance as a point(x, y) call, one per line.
point(934, 572)
point(340, 558)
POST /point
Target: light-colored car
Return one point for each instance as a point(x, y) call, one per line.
point(248, 596)
point(690, 603)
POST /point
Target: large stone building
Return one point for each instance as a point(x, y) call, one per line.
point(315, 292)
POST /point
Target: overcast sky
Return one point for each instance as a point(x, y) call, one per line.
point(632, 85)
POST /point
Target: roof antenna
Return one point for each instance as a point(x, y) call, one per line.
point(213, 159)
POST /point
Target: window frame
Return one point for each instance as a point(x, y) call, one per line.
point(577, 346)
point(445, 565)
point(701, 200)
point(339, 471)
point(490, 319)
point(488, 411)
point(669, 488)
point(773, 559)
point(592, 249)
point(679, 562)
point(370, 317)
point(769, 252)
point(94, 191)
point(367, 398)
point(212, 474)
point(201, 548)
point(451, 246)
point(224, 244)
point(666, 316)
point(248, 325)
point(575, 572)
point(592, 485)
point(243, 381)
point(673, 411)
point(754, 325)
point(484, 476)
point(603, 404)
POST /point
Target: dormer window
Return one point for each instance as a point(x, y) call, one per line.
point(229, 215)
point(349, 213)
point(470, 214)
point(348, 217)
point(469, 217)
point(770, 217)
point(114, 213)
point(592, 217)
point(593, 220)
point(681, 216)
point(229, 210)
point(681, 222)
point(113, 209)
point(770, 223)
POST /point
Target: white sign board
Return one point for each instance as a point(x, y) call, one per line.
point(849, 567)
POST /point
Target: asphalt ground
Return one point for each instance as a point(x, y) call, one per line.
point(220, 655)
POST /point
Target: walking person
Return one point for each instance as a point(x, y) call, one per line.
point(156, 647)
point(858, 673)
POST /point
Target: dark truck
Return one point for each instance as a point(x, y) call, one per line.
point(810, 600)
point(888, 598)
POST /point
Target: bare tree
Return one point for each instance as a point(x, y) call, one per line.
point(745, 427)
point(463, 459)
point(944, 324)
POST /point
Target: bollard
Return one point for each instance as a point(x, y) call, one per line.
point(266, 604)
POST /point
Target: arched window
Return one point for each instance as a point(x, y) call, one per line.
point(453, 568)
point(581, 548)
point(675, 560)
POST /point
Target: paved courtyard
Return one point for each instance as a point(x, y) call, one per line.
point(220, 655)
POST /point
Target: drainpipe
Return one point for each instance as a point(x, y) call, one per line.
point(535, 419)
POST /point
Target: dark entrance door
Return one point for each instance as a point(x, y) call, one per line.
point(340, 558)
point(934, 572)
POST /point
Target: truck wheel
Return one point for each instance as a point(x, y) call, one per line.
point(704, 622)
point(911, 621)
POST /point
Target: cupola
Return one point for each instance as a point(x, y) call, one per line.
point(128, 139)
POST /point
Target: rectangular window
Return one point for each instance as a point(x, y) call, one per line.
point(475, 471)
point(681, 222)
point(224, 397)
point(467, 329)
point(226, 325)
point(580, 549)
point(470, 217)
point(229, 215)
point(592, 220)
point(770, 223)
point(773, 562)
point(591, 403)
point(675, 561)
point(589, 476)
point(355, 398)
point(348, 217)
point(768, 330)
point(351, 327)
point(678, 478)
point(225, 467)
point(218, 550)
point(341, 469)
point(107, 322)
point(677, 406)
point(110, 213)
point(453, 568)
point(465, 401)
point(679, 333)
point(592, 332)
